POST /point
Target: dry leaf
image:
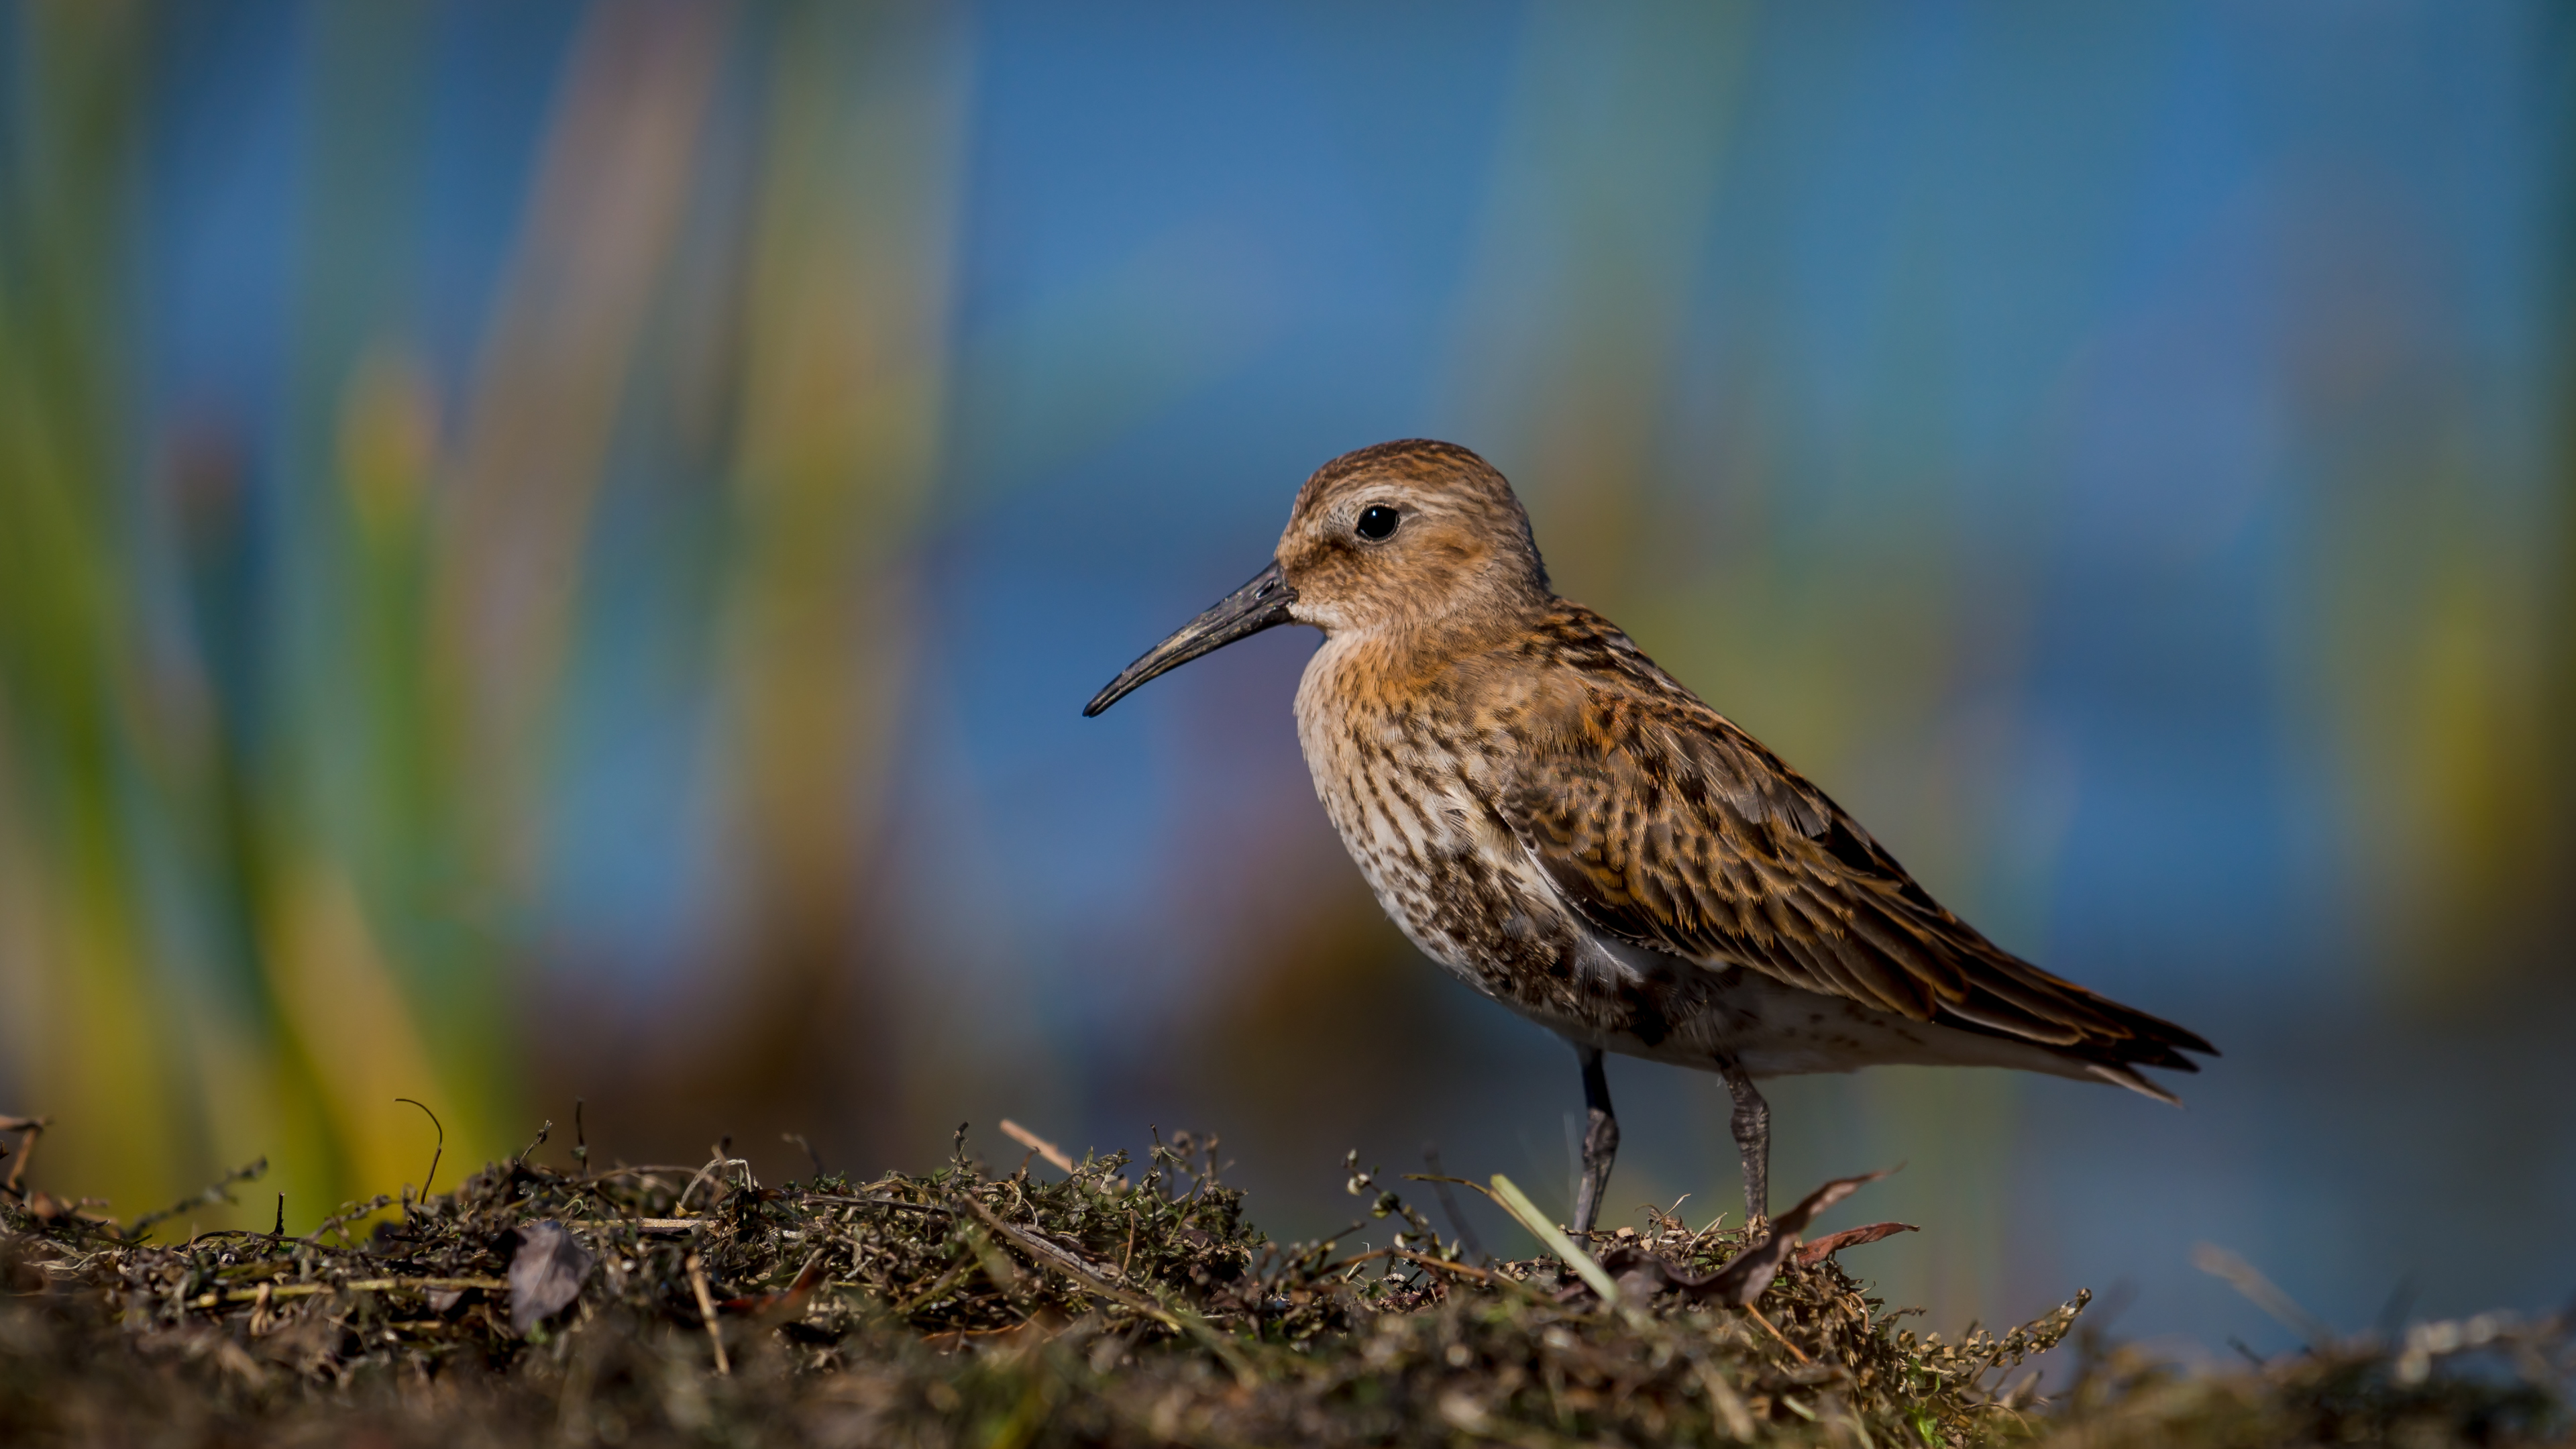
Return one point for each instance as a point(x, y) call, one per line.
point(1642, 1275)
point(545, 1274)
point(1832, 1243)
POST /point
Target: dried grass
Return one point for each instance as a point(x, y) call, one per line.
point(692, 1305)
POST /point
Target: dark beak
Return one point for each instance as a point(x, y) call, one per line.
point(1247, 611)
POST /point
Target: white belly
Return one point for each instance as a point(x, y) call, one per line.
point(1773, 1029)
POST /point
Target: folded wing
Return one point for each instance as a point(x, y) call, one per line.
point(1668, 827)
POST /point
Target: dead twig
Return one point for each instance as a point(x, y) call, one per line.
point(1756, 1315)
point(854, 1200)
point(28, 1130)
point(355, 1285)
point(1440, 1181)
point(1179, 1320)
point(2263, 1293)
point(1054, 1155)
point(721, 1160)
point(811, 1155)
point(1468, 1270)
point(214, 1193)
point(650, 1227)
point(696, 1268)
point(440, 1150)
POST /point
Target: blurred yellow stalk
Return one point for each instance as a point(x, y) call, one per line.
point(254, 889)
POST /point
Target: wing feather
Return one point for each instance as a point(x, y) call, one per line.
point(1668, 827)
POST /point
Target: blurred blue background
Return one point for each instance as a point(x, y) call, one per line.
point(554, 551)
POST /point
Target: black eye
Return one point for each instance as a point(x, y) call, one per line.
point(1377, 521)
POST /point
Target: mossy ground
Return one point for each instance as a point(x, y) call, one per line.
point(1106, 1305)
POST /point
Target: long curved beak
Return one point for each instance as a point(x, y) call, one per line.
point(1247, 611)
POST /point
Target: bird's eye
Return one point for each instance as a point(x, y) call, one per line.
point(1377, 521)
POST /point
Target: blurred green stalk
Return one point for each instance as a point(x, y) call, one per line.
point(276, 738)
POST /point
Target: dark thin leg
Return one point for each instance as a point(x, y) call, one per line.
point(1752, 1139)
point(1600, 1140)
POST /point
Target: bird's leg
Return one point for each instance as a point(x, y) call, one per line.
point(1600, 1140)
point(1752, 1139)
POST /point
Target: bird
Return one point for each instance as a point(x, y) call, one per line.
point(1570, 831)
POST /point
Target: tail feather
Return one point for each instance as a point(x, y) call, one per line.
point(2120, 1074)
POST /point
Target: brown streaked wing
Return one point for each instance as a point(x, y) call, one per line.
point(1668, 827)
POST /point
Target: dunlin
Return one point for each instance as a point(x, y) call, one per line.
point(1571, 832)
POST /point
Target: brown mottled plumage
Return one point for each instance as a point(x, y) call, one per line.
point(1564, 826)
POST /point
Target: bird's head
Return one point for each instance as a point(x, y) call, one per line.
point(1405, 536)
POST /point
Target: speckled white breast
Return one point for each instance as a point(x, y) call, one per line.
point(1406, 812)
